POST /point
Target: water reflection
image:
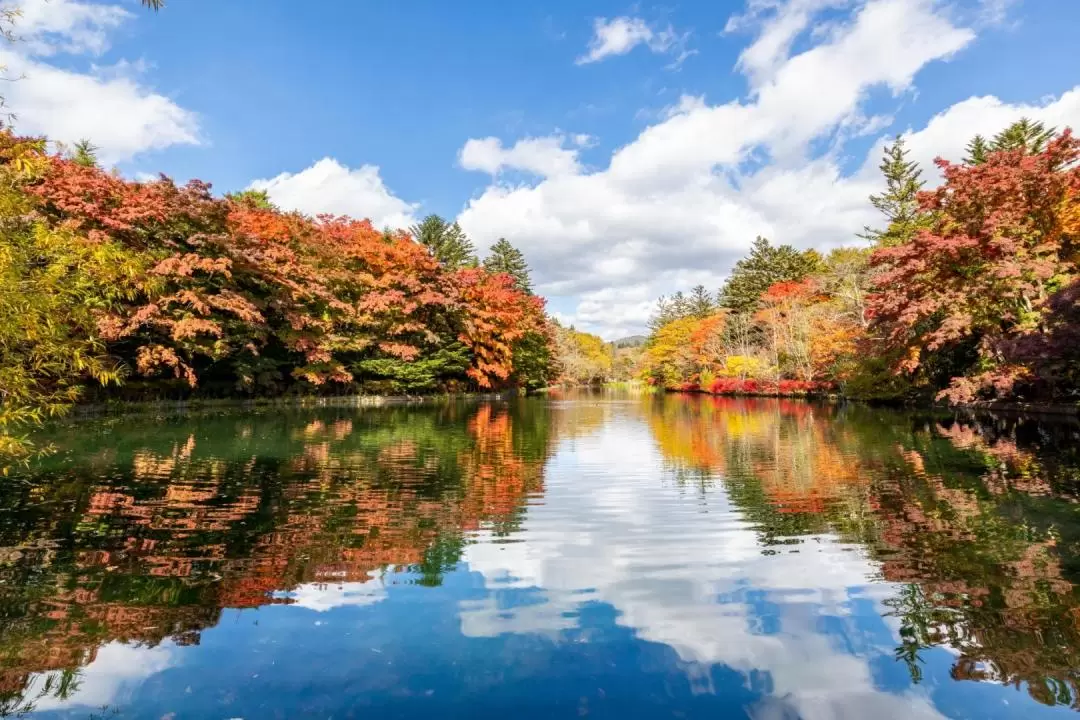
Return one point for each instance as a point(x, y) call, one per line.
point(586, 555)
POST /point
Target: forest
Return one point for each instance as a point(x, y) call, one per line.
point(117, 289)
point(150, 290)
point(971, 292)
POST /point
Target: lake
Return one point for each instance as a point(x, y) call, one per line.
point(603, 555)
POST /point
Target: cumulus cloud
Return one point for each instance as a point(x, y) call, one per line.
point(780, 23)
point(622, 34)
point(682, 201)
point(950, 130)
point(108, 104)
point(330, 187)
point(52, 26)
point(544, 156)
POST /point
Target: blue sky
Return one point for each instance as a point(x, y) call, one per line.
point(629, 149)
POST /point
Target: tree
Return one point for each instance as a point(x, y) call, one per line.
point(1024, 135)
point(700, 303)
point(981, 276)
point(977, 150)
point(53, 287)
point(584, 358)
point(447, 242)
point(900, 201)
point(85, 153)
point(765, 266)
point(669, 358)
point(254, 199)
point(499, 317)
point(153, 4)
point(505, 258)
point(848, 280)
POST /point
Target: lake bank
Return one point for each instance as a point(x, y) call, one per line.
point(1023, 408)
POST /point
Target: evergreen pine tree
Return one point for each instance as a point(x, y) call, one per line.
point(680, 306)
point(899, 203)
point(701, 303)
point(1024, 134)
point(977, 150)
point(85, 154)
point(662, 315)
point(765, 266)
point(448, 243)
point(505, 258)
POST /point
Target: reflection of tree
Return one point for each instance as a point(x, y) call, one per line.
point(151, 538)
point(784, 463)
point(976, 521)
point(987, 565)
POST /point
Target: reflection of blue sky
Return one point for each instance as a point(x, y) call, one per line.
point(622, 595)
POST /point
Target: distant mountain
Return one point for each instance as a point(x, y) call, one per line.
point(630, 342)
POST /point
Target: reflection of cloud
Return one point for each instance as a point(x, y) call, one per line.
point(321, 597)
point(686, 570)
point(116, 671)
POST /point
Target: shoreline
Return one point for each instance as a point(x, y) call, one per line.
point(169, 407)
point(1020, 408)
point(149, 407)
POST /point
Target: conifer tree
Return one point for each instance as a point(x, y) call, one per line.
point(505, 258)
point(977, 150)
point(447, 243)
point(899, 203)
point(765, 266)
point(701, 302)
point(1024, 134)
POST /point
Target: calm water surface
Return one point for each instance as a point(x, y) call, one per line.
point(584, 556)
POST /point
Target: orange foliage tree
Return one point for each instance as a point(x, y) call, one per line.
point(234, 295)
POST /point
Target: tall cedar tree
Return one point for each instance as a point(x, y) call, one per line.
point(900, 201)
point(505, 258)
point(765, 266)
point(447, 243)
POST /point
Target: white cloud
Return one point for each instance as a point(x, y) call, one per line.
point(113, 110)
point(53, 26)
point(109, 105)
point(682, 201)
point(994, 12)
point(949, 131)
point(786, 22)
point(622, 34)
point(330, 187)
point(544, 156)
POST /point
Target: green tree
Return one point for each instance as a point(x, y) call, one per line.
point(505, 258)
point(765, 266)
point(1024, 134)
point(447, 242)
point(701, 303)
point(254, 199)
point(85, 153)
point(977, 150)
point(900, 202)
point(535, 365)
point(53, 284)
